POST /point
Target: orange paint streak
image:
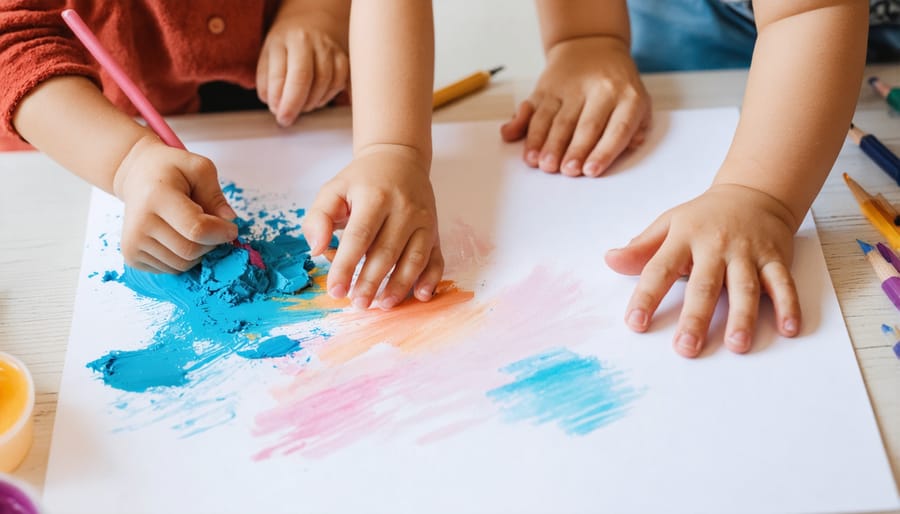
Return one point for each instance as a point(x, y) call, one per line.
point(411, 326)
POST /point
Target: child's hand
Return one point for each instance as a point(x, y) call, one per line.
point(731, 236)
point(588, 107)
point(300, 68)
point(385, 203)
point(174, 208)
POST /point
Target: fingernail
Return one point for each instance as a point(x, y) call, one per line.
point(637, 319)
point(387, 303)
point(337, 291)
point(361, 303)
point(790, 326)
point(229, 213)
point(687, 342)
point(592, 169)
point(532, 157)
point(739, 340)
point(572, 166)
point(548, 160)
point(425, 293)
point(313, 242)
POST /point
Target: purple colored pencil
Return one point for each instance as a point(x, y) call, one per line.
point(889, 276)
point(889, 255)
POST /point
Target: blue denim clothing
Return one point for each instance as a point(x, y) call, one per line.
point(670, 35)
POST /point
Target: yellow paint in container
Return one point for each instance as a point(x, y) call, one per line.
point(16, 409)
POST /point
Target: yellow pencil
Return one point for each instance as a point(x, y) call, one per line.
point(463, 87)
point(876, 216)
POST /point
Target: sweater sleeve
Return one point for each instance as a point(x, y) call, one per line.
point(36, 45)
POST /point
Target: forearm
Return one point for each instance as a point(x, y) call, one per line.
point(392, 64)
point(801, 93)
point(71, 121)
point(562, 20)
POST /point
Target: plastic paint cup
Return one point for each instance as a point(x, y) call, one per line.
point(17, 497)
point(16, 409)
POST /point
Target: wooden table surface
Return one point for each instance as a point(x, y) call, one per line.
point(43, 211)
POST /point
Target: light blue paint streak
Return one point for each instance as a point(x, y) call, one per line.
point(577, 393)
point(277, 346)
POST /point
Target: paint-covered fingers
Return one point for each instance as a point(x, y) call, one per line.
point(410, 266)
point(657, 278)
point(703, 290)
point(742, 284)
point(778, 283)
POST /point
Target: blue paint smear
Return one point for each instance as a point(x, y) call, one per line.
point(223, 308)
point(577, 393)
point(222, 311)
point(225, 303)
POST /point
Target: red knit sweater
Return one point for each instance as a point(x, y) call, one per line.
point(168, 47)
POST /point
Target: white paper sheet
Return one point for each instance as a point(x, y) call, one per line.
point(433, 415)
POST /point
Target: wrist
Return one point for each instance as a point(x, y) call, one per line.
point(410, 153)
point(123, 170)
point(768, 201)
point(610, 41)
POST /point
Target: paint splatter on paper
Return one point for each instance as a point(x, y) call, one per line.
point(422, 371)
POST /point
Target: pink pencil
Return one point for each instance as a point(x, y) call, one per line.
point(90, 41)
point(154, 119)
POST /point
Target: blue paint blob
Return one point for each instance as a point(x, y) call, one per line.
point(110, 276)
point(577, 393)
point(223, 307)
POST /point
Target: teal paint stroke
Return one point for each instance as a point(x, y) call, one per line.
point(578, 394)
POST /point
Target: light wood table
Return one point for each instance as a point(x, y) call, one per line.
point(43, 211)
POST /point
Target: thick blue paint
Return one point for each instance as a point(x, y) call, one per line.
point(577, 393)
point(223, 307)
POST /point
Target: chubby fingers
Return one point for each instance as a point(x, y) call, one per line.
point(618, 132)
point(421, 265)
point(777, 282)
point(516, 128)
point(271, 73)
point(298, 83)
point(700, 298)
point(657, 277)
point(363, 226)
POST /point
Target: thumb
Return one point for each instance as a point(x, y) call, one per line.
point(631, 259)
point(205, 188)
point(516, 128)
